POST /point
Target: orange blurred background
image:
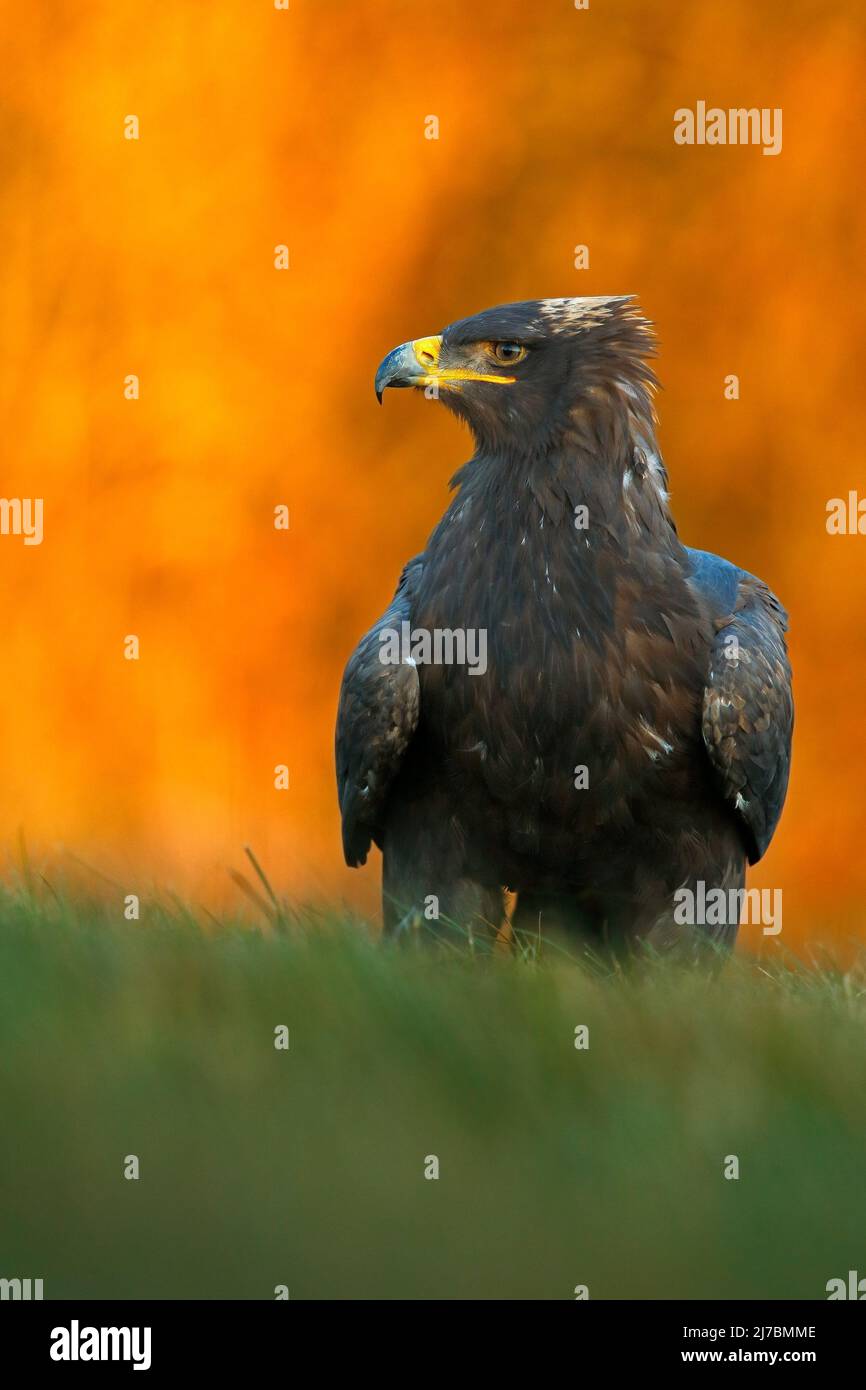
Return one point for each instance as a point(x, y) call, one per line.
point(155, 257)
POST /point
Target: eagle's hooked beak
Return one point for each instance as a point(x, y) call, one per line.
point(410, 364)
point(417, 364)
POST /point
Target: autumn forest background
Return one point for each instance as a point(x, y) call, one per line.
point(155, 257)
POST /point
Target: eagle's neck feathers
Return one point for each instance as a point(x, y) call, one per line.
point(600, 469)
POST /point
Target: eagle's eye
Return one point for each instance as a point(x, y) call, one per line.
point(508, 353)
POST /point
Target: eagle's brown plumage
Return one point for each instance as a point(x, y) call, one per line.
point(611, 647)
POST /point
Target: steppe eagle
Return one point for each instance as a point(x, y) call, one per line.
point(627, 735)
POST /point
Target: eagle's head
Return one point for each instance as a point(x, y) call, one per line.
point(517, 373)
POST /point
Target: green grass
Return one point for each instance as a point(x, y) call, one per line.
point(558, 1167)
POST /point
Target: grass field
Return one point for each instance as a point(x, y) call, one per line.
point(557, 1166)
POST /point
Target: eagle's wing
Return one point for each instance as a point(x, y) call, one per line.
point(376, 718)
point(748, 708)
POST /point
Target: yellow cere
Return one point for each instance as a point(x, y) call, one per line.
point(427, 351)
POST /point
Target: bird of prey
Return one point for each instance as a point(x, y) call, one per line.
point(625, 741)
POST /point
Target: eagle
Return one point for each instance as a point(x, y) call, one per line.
point(625, 742)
